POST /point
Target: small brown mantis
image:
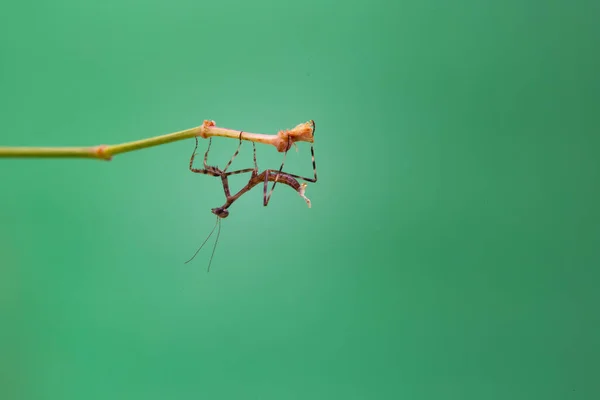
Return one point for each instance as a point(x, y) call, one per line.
point(255, 178)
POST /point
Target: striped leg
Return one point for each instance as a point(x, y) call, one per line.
point(225, 175)
point(267, 198)
point(234, 154)
point(312, 153)
point(207, 170)
point(313, 180)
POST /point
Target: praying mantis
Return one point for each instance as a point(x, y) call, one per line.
point(255, 179)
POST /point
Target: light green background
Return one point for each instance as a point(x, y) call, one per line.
point(452, 250)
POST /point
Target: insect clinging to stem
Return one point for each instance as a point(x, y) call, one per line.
point(256, 178)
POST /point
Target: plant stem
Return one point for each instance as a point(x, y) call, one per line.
point(282, 141)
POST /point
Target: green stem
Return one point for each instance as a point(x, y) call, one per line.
point(281, 141)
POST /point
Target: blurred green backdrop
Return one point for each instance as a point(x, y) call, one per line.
point(453, 246)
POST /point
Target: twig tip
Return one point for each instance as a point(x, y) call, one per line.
point(301, 133)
